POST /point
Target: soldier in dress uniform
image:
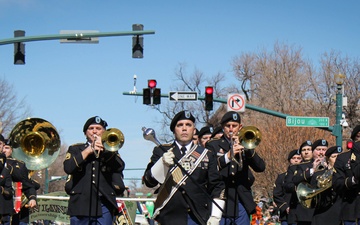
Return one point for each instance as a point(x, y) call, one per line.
point(204, 135)
point(327, 203)
point(303, 215)
point(196, 137)
point(95, 177)
point(286, 202)
point(217, 133)
point(191, 190)
point(238, 178)
point(346, 179)
point(6, 197)
point(23, 184)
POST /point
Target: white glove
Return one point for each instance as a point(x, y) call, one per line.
point(168, 158)
point(216, 213)
point(160, 169)
point(213, 220)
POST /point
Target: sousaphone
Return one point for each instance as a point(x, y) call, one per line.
point(36, 142)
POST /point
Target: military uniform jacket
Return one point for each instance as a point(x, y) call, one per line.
point(20, 173)
point(6, 197)
point(284, 200)
point(344, 187)
point(294, 176)
point(327, 211)
point(238, 182)
point(189, 197)
point(92, 181)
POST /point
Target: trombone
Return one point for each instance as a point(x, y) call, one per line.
point(249, 137)
point(112, 139)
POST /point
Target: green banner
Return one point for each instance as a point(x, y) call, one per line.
point(50, 209)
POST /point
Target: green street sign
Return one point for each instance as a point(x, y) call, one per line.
point(300, 121)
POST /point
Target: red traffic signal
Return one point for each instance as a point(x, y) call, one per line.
point(152, 83)
point(209, 90)
point(209, 98)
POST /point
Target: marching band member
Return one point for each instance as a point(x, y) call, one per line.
point(20, 177)
point(294, 176)
point(286, 202)
point(205, 135)
point(327, 203)
point(6, 197)
point(346, 178)
point(193, 196)
point(95, 178)
point(237, 176)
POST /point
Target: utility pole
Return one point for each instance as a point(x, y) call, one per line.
point(337, 131)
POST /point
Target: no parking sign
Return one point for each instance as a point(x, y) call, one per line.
point(236, 102)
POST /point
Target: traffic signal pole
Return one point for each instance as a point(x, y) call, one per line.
point(75, 36)
point(254, 108)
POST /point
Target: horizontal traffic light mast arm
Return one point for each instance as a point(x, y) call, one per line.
point(73, 36)
point(248, 106)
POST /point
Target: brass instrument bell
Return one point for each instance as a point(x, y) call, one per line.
point(36, 142)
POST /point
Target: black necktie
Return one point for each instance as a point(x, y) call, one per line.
point(183, 150)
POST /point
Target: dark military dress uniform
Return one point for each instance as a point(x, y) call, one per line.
point(6, 197)
point(20, 173)
point(346, 183)
point(238, 181)
point(327, 210)
point(284, 200)
point(294, 176)
point(93, 182)
point(190, 199)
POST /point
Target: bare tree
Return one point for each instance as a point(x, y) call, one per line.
point(282, 80)
point(12, 110)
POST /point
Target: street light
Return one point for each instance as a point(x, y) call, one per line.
point(337, 132)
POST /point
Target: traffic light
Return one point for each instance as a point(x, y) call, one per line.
point(209, 98)
point(137, 42)
point(147, 96)
point(19, 49)
point(157, 96)
point(152, 95)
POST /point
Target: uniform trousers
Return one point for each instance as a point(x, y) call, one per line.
point(242, 218)
point(357, 222)
point(106, 219)
point(7, 220)
point(192, 220)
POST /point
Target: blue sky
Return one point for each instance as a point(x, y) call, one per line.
point(68, 83)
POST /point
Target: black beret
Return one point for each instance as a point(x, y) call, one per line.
point(94, 120)
point(183, 115)
point(320, 142)
point(230, 116)
point(333, 149)
point(2, 138)
point(196, 131)
point(354, 132)
point(306, 143)
point(206, 130)
point(292, 153)
point(7, 142)
point(217, 131)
